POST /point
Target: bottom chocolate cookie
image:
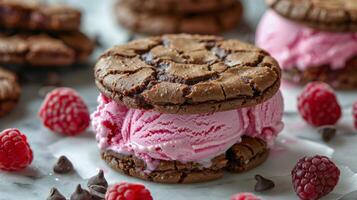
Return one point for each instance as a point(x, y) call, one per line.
point(249, 153)
point(9, 91)
point(345, 78)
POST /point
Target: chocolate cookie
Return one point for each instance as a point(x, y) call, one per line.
point(152, 23)
point(32, 15)
point(246, 155)
point(178, 6)
point(330, 15)
point(187, 74)
point(58, 49)
point(345, 78)
point(9, 91)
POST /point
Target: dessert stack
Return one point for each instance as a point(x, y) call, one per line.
point(184, 108)
point(313, 40)
point(179, 16)
point(40, 35)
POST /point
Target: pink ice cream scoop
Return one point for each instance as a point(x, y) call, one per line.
point(152, 136)
point(295, 45)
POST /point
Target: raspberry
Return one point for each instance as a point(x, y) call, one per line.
point(64, 111)
point(128, 191)
point(318, 104)
point(354, 112)
point(314, 177)
point(244, 196)
point(15, 152)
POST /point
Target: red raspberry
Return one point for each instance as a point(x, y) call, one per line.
point(64, 111)
point(128, 191)
point(314, 177)
point(354, 112)
point(318, 104)
point(15, 152)
point(244, 196)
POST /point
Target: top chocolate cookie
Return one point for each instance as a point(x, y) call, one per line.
point(178, 6)
point(329, 15)
point(32, 15)
point(187, 74)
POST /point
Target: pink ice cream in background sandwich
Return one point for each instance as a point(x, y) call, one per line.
point(294, 45)
point(153, 136)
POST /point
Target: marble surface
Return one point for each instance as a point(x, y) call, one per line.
point(36, 181)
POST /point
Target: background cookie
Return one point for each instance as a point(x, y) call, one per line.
point(331, 15)
point(250, 153)
point(213, 22)
point(187, 74)
point(57, 49)
point(345, 78)
point(9, 91)
point(31, 15)
point(178, 6)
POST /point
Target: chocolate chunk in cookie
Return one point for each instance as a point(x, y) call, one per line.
point(241, 157)
point(187, 74)
point(32, 15)
point(213, 22)
point(330, 15)
point(9, 91)
point(57, 49)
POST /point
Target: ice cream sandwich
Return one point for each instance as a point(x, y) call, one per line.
point(313, 40)
point(185, 108)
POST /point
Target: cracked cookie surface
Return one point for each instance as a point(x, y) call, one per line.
point(246, 155)
point(330, 15)
point(9, 91)
point(187, 74)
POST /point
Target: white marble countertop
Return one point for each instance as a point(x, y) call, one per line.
point(36, 181)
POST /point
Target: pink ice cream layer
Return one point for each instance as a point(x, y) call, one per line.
point(295, 45)
point(153, 136)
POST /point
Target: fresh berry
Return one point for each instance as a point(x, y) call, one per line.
point(318, 104)
point(354, 112)
point(64, 111)
point(314, 177)
point(15, 152)
point(244, 196)
point(128, 191)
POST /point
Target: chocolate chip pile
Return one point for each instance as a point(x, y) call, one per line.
point(97, 186)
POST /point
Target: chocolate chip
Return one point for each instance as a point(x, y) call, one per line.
point(63, 166)
point(97, 192)
point(81, 194)
point(99, 179)
point(327, 133)
point(263, 184)
point(55, 195)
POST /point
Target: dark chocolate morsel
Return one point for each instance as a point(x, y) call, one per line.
point(263, 184)
point(63, 166)
point(327, 133)
point(81, 194)
point(98, 179)
point(97, 192)
point(55, 195)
